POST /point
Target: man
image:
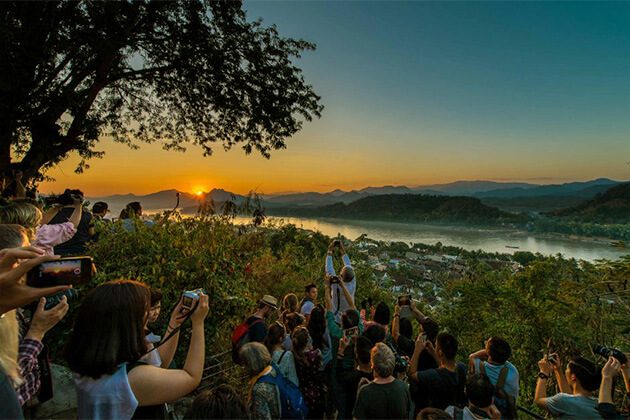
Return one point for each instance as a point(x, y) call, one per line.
point(309, 300)
point(583, 377)
point(493, 362)
point(443, 386)
point(257, 327)
point(385, 397)
point(76, 246)
point(339, 301)
point(100, 210)
point(480, 392)
point(349, 377)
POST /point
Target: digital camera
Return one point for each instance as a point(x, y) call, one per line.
point(189, 297)
point(606, 352)
point(334, 280)
point(52, 301)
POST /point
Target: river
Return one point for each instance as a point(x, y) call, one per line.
point(468, 238)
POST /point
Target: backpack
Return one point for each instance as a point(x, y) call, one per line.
point(504, 402)
point(293, 405)
point(240, 337)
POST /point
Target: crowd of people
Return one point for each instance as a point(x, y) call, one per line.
point(309, 357)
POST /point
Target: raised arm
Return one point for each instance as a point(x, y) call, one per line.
point(75, 217)
point(330, 270)
point(609, 371)
point(396, 323)
point(413, 365)
point(167, 350)
point(416, 312)
point(347, 295)
point(540, 396)
point(561, 379)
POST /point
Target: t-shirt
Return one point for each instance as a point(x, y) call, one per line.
point(569, 406)
point(258, 330)
point(511, 381)
point(9, 405)
point(383, 401)
point(440, 387)
point(76, 245)
point(349, 381)
point(286, 366)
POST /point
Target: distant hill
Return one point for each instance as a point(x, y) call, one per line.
point(408, 208)
point(609, 207)
point(586, 189)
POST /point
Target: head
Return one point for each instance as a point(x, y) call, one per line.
point(155, 306)
point(480, 391)
point(121, 309)
point(375, 333)
point(275, 336)
point(13, 236)
point(223, 402)
point(499, 350)
point(406, 328)
point(363, 350)
point(301, 341)
point(383, 361)
point(349, 319)
point(255, 357)
point(583, 372)
point(267, 306)
point(310, 291)
point(382, 314)
point(446, 347)
point(69, 196)
point(290, 303)
point(347, 274)
point(317, 326)
point(100, 209)
point(431, 413)
point(430, 328)
point(292, 321)
point(23, 214)
point(134, 209)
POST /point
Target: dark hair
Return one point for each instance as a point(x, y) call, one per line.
point(589, 375)
point(448, 345)
point(156, 297)
point(405, 328)
point(134, 207)
point(67, 198)
point(275, 335)
point(292, 320)
point(120, 308)
point(362, 349)
point(381, 313)
point(375, 333)
point(308, 287)
point(222, 402)
point(300, 338)
point(479, 390)
point(12, 236)
point(99, 207)
point(431, 329)
point(317, 327)
point(349, 319)
point(499, 349)
point(431, 413)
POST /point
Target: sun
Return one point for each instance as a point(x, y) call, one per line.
point(199, 193)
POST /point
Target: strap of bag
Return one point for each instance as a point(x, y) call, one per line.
point(281, 356)
point(501, 382)
point(482, 367)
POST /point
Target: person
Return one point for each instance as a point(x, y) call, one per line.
point(131, 213)
point(110, 380)
point(402, 332)
point(100, 210)
point(349, 378)
point(308, 362)
point(582, 376)
point(76, 245)
point(606, 405)
point(431, 413)
point(291, 321)
point(346, 276)
point(223, 402)
point(445, 385)
point(282, 358)
point(163, 355)
point(318, 329)
point(385, 397)
point(480, 393)
point(493, 361)
point(309, 300)
point(257, 327)
point(264, 397)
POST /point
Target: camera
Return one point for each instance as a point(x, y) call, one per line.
point(336, 243)
point(552, 358)
point(606, 352)
point(334, 279)
point(351, 332)
point(189, 297)
point(52, 301)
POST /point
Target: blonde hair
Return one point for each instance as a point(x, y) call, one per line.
point(23, 214)
point(9, 349)
point(290, 303)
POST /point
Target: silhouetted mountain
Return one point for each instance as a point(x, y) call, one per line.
point(472, 187)
point(586, 189)
point(611, 206)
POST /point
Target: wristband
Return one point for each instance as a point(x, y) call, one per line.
point(543, 375)
point(396, 315)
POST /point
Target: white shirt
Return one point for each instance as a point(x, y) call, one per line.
point(339, 302)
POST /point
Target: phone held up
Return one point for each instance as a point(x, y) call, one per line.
point(404, 303)
point(74, 271)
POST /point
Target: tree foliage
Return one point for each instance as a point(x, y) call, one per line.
point(175, 72)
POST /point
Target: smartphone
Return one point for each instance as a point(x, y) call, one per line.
point(351, 332)
point(64, 271)
point(404, 300)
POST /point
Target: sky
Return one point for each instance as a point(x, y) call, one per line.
point(419, 93)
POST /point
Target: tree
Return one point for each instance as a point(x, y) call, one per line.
point(174, 72)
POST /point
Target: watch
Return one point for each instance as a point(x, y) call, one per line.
point(542, 375)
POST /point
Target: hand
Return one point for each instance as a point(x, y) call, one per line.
point(341, 248)
point(202, 310)
point(343, 343)
point(396, 309)
point(44, 320)
point(430, 348)
point(554, 361)
point(331, 247)
point(611, 368)
point(544, 366)
point(178, 315)
point(420, 343)
point(494, 412)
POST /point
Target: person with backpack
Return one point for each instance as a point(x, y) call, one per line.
point(281, 357)
point(309, 300)
point(308, 363)
point(271, 395)
point(480, 392)
point(253, 329)
point(493, 362)
point(445, 385)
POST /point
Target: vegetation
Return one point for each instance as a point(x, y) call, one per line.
point(176, 72)
point(610, 207)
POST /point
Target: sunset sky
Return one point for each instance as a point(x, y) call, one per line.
point(420, 93)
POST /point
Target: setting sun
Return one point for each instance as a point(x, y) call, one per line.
point(199, 193)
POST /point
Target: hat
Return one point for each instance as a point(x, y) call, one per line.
point(270, 301)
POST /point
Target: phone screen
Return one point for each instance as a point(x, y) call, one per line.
point(73, 270)
point(351, 332)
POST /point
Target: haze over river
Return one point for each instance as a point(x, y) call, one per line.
point(468, 238)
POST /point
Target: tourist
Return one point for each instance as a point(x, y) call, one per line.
point(131, 214)
point(402, 332)
point(606, 405)
point(68, 202)
point(162, 356)
point(309, 300)
point(100, 210)
point(493, 362)
point(348, 378)
point(282, 358)
point(318, 329)
point(264, 397)
point(110, 379)
point(340, 302)
point(291, 321)
point(583, 378)
point(480, 392)
point(385, 397)
point(445, 385)
point(308, 363)
point(222, 402)
point(253, 329)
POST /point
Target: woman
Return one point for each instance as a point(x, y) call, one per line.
point(264, 397)
point(291, 322)
point(318, 330)
point(308, 363)
point(110, 379)
point(281, 357)
point(131, 213)
point(163, 355)
point(223, 402)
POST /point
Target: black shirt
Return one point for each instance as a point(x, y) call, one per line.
point(440, 388)
point(76, 245)
point(257, 330)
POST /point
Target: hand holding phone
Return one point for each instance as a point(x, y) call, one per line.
point(60, 272)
